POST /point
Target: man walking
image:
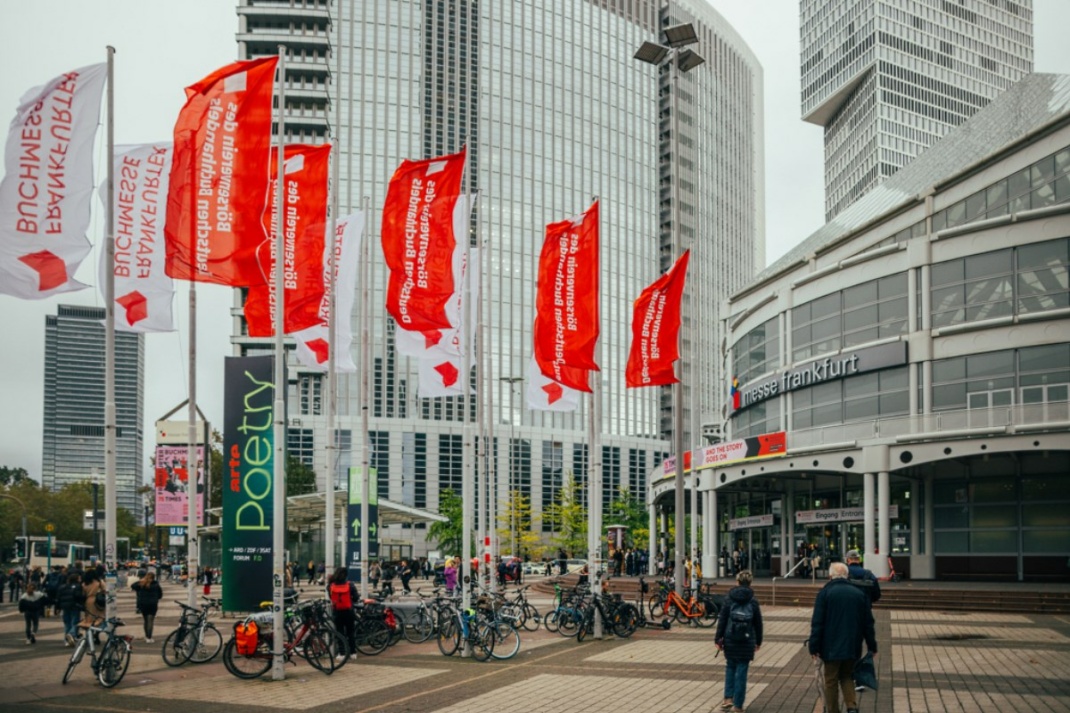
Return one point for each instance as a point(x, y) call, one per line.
point(862, 577)
point(842, 619)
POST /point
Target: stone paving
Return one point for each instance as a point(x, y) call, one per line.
point(930, 662)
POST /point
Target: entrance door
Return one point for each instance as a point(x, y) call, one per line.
point(983, 404)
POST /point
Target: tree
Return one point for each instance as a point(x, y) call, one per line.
point(516, 527)
point(630, 511)
point(450, 534)
point(568, 518)
point(13, 476)
point(300, 478)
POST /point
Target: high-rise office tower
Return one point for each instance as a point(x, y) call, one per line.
point(889, 78)
point(74, 404)
point(555, 110)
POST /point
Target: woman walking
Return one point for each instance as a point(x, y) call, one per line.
point(149, 593)
point(343, 593)
point(739, 635)
point(31, 604)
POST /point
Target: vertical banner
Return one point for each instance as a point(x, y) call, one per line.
point(353, 523)
point(144, 294)
point(248, 479)
point(655, 329)
point(172, 485)
point(47, 188)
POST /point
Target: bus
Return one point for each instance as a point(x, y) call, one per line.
point(36, 553)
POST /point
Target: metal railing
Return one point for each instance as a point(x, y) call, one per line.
point(813, 575)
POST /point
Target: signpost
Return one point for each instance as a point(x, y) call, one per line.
point(353, 518)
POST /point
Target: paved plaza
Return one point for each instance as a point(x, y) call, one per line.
point(930, 662)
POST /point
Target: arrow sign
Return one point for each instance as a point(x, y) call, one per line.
point(356, 527)
point(371, 530)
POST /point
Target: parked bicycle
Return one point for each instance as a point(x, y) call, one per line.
point(109, 651)
point(196, 639)
point(249, 653)
point(699, 610)
point(465, 626)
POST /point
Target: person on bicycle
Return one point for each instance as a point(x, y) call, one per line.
point(739, 635)
point(149, 593)
point(862, 577)
point(343, 593)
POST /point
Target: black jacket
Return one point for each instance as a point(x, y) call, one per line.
point(865, 580)
point(69, 597)
point(842, 619)
point(734, 650)
point(148, 597)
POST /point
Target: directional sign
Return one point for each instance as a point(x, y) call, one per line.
point(353, 516)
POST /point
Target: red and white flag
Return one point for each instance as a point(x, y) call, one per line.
point(655, 326)
point(144, 294)
point(219, 177)
point(48, 185)
point(313, 344)
point(419, 238)
point(545, 394)
point(566, 300)
point(304, 224)
point(441, 359)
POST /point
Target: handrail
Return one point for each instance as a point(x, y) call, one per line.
point(813, 575)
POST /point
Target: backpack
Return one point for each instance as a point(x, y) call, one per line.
point(741, 624)
point(246, 637)
point(341, 598)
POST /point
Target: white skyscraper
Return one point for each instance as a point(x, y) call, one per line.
point(555, 110)
point(889, 78)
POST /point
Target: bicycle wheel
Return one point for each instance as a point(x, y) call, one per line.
point(449, 637)
point(373, 636)
point(707, 616)
point(626, 620)
point(552, 621)
point(570, 621)
point(206, 646)
point(585, 626)
point(76, 657)
point(529, 617)
point(114, 660)
point(674, 611)
point(418, 627)
point(317, 651)
point(177, 647)
point(247, 667)
point(483, 641)
point(507, 641)
point(656, 605)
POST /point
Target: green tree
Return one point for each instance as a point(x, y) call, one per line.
point(567, 518)
point(516, 527)
point(450, 534)
point(630, 511)
point(13, 476)
point(300, 478)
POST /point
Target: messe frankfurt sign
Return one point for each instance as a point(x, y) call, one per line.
point(820, 371)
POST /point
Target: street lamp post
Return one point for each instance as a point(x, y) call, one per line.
point(681, 59)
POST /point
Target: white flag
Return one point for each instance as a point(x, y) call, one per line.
point(441, 361)
point(440, 377)
point(313, 349)
point(144, 294)
point(48, 183)
point(545, 394)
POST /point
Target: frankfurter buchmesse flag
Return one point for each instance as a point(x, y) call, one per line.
point(47, 188)
point(419, 238)
point(655, 327)
point(545, 394)
point(219, 176)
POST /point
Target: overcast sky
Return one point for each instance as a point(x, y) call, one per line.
point(162, 46)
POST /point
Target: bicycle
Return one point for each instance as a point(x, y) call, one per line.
point(195, 639)
point(465, 626)
point(693, 609)
point(110, 662)
point(309, 641)
point(565, 618)
point(501, 614)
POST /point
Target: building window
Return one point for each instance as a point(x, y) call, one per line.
point(450, 463)
point(380, 460)
point(857, 315)
point(866, 397)
point(758, 352)
point(553, 468)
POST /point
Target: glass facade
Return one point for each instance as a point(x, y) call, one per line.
point(889, 78)
point(416, 78)
point(73, 442)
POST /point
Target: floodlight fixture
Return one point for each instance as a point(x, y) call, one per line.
point(686, 60)
point(680, 35)
point(651, 53)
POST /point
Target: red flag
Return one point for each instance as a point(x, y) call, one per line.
point(566, 300)
point(419, 236)
point(655, 326)
point(304, 226)
point(219, 176)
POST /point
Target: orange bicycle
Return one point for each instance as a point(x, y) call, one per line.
point(699, 610)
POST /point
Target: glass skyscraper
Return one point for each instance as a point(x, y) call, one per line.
point(555, 111)
point(889, 78)
point(74, 404)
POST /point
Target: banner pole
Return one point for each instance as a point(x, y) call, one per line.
point(278, 520)
point(109, 336)
point(365, 393)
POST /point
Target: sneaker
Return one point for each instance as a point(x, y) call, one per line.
point(150, 641)
point(736, 709)
point(69, 638)
point(726, 704)
point(29, 641)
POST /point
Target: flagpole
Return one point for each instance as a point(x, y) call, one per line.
point(594, 536)
point(278, 526)
point(365, 394)
point(109, 334)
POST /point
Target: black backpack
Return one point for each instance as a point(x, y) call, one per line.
point(741, 624)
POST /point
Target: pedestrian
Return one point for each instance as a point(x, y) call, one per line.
point(94, 597)
point(52, 583)
point(343, 593)
point(149, 593)
point(739, 636)
point(208, 581)
point(3, 581)
point(450, 575)
point(562, 561)
point(311, 572)
point(31, 605)
point(405, 574)
point(862, 577)
point(295, 573)
point(70, 597)
point(842, 620)
point(375, 573)
point(14, 584)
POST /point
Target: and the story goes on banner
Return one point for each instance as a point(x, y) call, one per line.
point(248, 478)
point(172, 485)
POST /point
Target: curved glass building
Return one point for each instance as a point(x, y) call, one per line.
point(555, 111)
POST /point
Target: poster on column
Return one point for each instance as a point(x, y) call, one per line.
point(172, 485)
point(353, 520)
point(248, 479)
